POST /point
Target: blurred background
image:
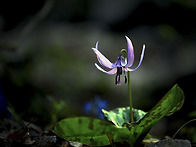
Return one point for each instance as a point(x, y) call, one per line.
point(47, 67)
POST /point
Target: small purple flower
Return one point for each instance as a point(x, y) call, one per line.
point(121, 65)
point(95, 106)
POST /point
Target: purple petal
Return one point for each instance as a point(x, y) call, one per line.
point(101, 58)
point(111, 72)
point(141, 58)
point(96, 46)
point(130, 52)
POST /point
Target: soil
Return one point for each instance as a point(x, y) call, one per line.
point(27, 134)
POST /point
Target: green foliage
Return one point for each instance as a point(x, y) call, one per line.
point(193, 134)
point(97, 132)
point(120, 116)
point(89, 131)
point(192, 114)
point(59, 107)
point(169, 104)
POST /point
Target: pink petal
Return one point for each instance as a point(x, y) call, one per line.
point(101, 58)
point(130, 52)
point(111, 72)
point(141, 58)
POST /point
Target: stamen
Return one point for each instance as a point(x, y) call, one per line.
point(125, 79)
point(118, 83)
point(119, 70)
point(116, 79)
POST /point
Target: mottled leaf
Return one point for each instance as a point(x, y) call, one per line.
point(170, 103)
point(90, 131)
point(119, 116)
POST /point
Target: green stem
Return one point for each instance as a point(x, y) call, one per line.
point(130, 97)
point(123, 51)
point(183, 126)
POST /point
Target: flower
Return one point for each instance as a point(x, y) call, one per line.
point(95, 106)
point(122, 64)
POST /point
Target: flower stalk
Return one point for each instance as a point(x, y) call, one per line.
point(123, 51)
point(130, 97)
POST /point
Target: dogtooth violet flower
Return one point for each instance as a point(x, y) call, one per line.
point(122, 64)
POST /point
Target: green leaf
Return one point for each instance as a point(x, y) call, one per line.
point(120, 116)
point(169, 104)
point(90, 131)
point(97, 132)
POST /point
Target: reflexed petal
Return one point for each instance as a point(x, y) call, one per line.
point(101, 58)
point(130, 52)
point(111, 72)
point(141, 58)
point(96, 46)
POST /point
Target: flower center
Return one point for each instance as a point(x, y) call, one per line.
point(121, 61)
point(118, 74)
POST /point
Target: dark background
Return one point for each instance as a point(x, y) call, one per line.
point(47, 67)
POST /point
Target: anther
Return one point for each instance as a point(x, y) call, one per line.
point(125, 79)
point(116, 79)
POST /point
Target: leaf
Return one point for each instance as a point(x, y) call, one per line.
point(90, 131)
point(119, 116)
point(169, 104)
point(97, 132)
